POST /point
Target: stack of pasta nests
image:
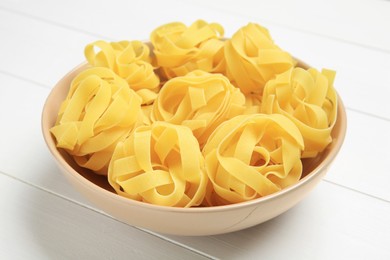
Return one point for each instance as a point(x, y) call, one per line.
point(194, 119)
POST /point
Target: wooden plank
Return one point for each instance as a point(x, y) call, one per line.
point(38, 52)
point(37, 225)
point(331, 223)
point(363, 85)
point(346, 20)
point(361, 73)
point(361, 22)
point(362, 163)
point(23, 151)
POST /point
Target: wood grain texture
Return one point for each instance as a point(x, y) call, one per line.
point(361, 22)
point(38, 225)
point(359, 76)
point(332, 223)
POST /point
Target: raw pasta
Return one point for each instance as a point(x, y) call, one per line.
point(199, 100)
point(252, 58)
point(251, 156)
point(100, 109)
point(131, 61)
point(193, 119)
point(180, 49)
point(309, 99)
point(159, 164)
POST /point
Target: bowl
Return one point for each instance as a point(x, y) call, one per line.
point(197, 221)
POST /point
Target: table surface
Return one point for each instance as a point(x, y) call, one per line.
point(347, 216)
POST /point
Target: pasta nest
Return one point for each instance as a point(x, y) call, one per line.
point(131, 61)
point(308, 98)
point(94, 117)
point(200, 101)
point(252, 58)
point(251, 156)
point(180, 49)
point(159, 164)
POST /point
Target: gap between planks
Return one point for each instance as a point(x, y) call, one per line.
point(162, 237)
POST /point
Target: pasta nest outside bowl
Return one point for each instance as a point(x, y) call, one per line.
point(195, 221)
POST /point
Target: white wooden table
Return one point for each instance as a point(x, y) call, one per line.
point(346, 217)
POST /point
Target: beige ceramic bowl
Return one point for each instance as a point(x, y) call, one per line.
point(185, 221)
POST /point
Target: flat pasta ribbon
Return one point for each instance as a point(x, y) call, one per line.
point(252, 103)
point(199, 100)
point(130, 60)
point(252, 58)
point(99, 110)
point(309, 99)
point(159, 164)
point(180, 49)
point(251, 156)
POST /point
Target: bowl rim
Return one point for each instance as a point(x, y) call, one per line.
point(49, 140)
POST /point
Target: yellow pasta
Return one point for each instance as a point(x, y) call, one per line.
point(159, 164)
point(199, 100)
point(229, 122)
point(252, 103)
point(251, 156)
point(146, 114)
point(130, 60)
point(180, 49)
point(99, 110)
point(252, 58)
point(309, 99)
